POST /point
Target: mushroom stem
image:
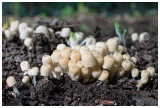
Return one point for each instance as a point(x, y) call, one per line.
point(34, 81)
point(54, 74)
point(25, 72)
point(15, 89)
point(83, 42)
point(46, 77)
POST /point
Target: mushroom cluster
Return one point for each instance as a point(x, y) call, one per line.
point(141, 37)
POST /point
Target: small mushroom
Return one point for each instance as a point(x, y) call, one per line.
point(126, 64)
point(100, 50)
point(65, 32)
point(104, 76)
point(85, 74)
point(66, 52)
point(145, 73)
point(126, 57)
point(25, 66)
point(46, 70)
point(90, 41)
point(24, 34)
point(47, 59)
point(63, 62)
point(112, 44)
point(99, 58)
point(118, 58)
point(14, 26)
point(139, 85)
point(134, 60)
point(75, 55)
point(79, 36)
point(22, 26)
point(7, 33)
point(35, 72)
point(29, 43)
point(43, 29)
point(144, 80)
point(120, 49)
point(96, 72)
point(11, 81)
point(60, 46)
point(58, 73)
point(151, 71)
point(56, 55)
point(143, 36)
point(134, 37)
point(102, 45)
point(135, 73)
point(108, 62)
point(25, 79)
point(74, 72)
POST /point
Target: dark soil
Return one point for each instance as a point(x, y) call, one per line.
point(67, 92)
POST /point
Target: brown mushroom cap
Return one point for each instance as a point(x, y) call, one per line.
point(25, 79)
point(11, 81)
point(46, 70)
point(56, 55)
point(108, 62)
point(46, 59)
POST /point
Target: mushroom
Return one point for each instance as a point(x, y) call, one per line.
point(76, 47)
point(120, 49)
point(99, 58)
point(29, 43)
point(151, 71)
point(47, 59)
point(11, 81)
point(139, 85)
point(84, 48)
point(63, 62)
point(100, 50)
point(88, 59)
point(126, 57)
point(134, 37)
point(102, 45)
point(65, 32)
point(30, 30)
point(56, 55)
point(120, 72)
point(74, 72)
point(60, 46)
point(104, 76)
point(66, 52)
point(144, 80)
point(96, 72)
point(89, 41)
point(43, 29)
point(118, 58)
point(75, 55)
point(145, 73)
point(22, 26)
point(135, 73)
point(25, 66)
point(72, 62)
point(143, 36)
point(46, 70)
point(126, 64)
point(80, 64)
point(85, 74)
point(134, 60)
point(25, 79)
point(112, 44)
point(24, 34)
point(14, 26)
point(91, 47)
point(7, 33)
point(108, 62)
point(79, 36)
point(58, 73)
point(35, 72)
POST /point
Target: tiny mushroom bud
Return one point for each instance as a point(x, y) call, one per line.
point(43, 29)
point(25, 66)
point(29, 43)
point(96, 72)
point(120, 72)
point(71, 62)
point(126, 57)
point(46, 70)
point(22, 26)
point(56, 55)
point(118, 58)
point(76, 47)
point(104, 76)
point(143, 36)
point(7, 33)
point(134, 60)
point(126, 64)
point(100, 50)
point(35, 72)
point(88, 59)
point(120, 49)
point(134, 37)
point(103, 45)
point(11, 81)
point(112, 44)
point(74, 72)
point(63, 62)
point(90, 41)
point(151, 71)
point(91, 47)
point(75, 55)
point(58, 73)
point(25, 79)
point(65, 32)
point(24, 34)
point(14, 26)
point(66, 51)
point(99, 58)
point(60, 46)
point(46, 59)
point(145, 73)
point(139, 85)
point(79, 36)
point(135, 73)
point(108, 62)
point(144, 79)
point(85, 74)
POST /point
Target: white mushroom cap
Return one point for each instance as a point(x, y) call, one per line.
point(100, 50)
point(108, 62)
point(74, 70)
point(112, 44)
point(30, 72)
point(84, 48)
point(134, 37)
point(63, 61)
point(46, 70)
point(135, 72)
point(22, 26)
point(25, 79)
point(30, 30)
point(14, 26)
point(58, 70)
point(42, 29)
point(126, 57)
point(91, 47)
point(96, 72)
point(66, 51)
point(56, 55)
point(142, 36)
point(11, 81)
point(76, 47)
point(145, 73)
point(79, 36)
point(118, 58)
point(151, 71)
point(120, 72)
point(75, 55)
point(7, 33)
point(71, 62)
point(24, 65)
point(80, 64)
point(58, 32)
point(126, 64)
point(134, 60)
point(46, 59)
point(120, 49)
point(90, 41)
point(65, 32)
point(88, 59)
point(51, 30)
point(60, 46)
point(35, 71)
point(24, 34)
point(144, 79)
point(104, 75)
point(28, 42)
point(103, 45)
